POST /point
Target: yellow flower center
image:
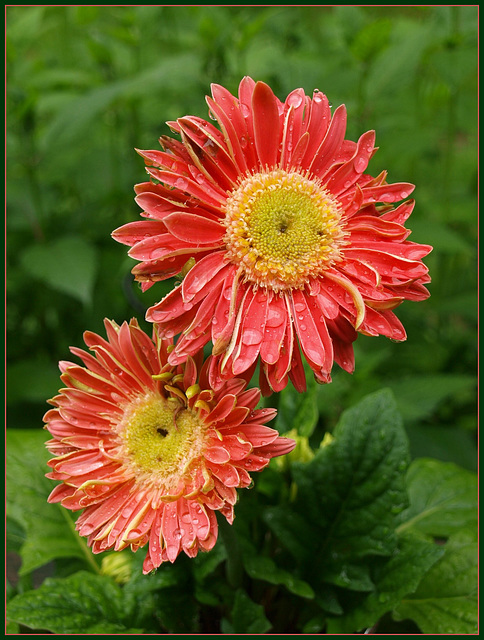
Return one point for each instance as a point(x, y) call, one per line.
point(161, 438)
point(282, 228)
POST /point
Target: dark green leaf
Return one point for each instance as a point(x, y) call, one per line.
point(393, 580)
point(27, 492)
point(446, 599)
point(32, 380)
point(83, 601)
point(247, 616)
point(348, 495)
point(443, 499)
point(418, 396)
point(264, 568)
point(73, 121)
point(67, 264)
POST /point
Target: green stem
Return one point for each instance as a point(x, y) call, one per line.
point(84, 548)
point(234, 567)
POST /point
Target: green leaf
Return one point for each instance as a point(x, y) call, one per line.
point(450, 444)
point(419, 396)
point(443, 499)
point(32, 380)
point(347, 496)
point(145, 595)
point(83, 601)
point(27, 493)
point(298, 410)
point(67, 264)
point(74, 120)
point(446, 599)
point(393, 580)
point(247, 616)
point(264, 568)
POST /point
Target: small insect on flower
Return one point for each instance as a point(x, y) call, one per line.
point(293, 246)
point(148, 449)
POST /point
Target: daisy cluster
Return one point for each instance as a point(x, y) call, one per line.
point(286, 249)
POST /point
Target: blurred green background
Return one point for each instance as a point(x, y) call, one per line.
point(85, 85)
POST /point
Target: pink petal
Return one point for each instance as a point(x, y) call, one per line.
point(194, 229)
point(227, 111)
point(217, 454)
point(319, 119)
point(171, 530)
point(201, 274)
point(348, 174)
point(388, 192)
point(251, 332)
point(279, 447)
point(222, 409)
point(274, 330)
point(134, 232)
point(325, 155)
point(297, 374)
point(266, 124)
point(317, 348)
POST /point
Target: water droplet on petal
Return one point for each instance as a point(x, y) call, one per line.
point(360, 164)
point(181, 183)
point(275, 317)
point(251, 336)
point(300, 306)
point(295, 100)
point(243, 142)
point(245, 110)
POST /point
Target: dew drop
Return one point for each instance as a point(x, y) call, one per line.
point(243, 142)
point(295, 100)
point(404, 194)
point(181, 183)
point(86, 529)
point(303, 327)
point(251, 336)
point(360, 164)
point(245, 110)
point(275, 317)
point(299, 306)
point(347, 184)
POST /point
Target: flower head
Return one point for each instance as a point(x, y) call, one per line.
point(149, 450)
point(286, 244)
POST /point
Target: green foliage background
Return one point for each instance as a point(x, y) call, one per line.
point(86, 85)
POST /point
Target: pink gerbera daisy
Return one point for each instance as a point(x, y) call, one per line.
point(287, 244)
point(148, 449)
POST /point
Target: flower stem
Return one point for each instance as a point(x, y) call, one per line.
point(234, 568)
point(84, 548)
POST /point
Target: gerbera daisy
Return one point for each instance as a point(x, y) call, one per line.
point(287, 244)
point(148, 450)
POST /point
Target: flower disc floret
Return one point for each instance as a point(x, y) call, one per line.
point(283, 228)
